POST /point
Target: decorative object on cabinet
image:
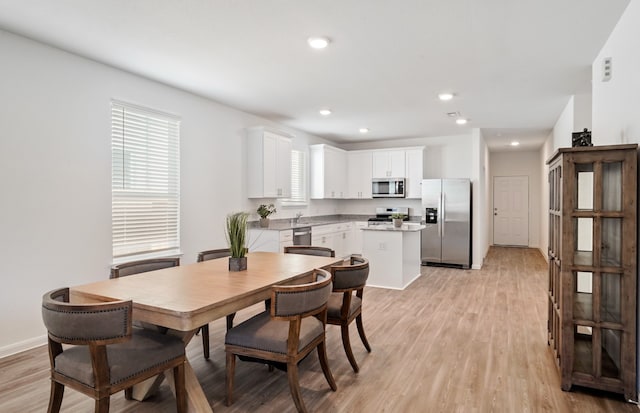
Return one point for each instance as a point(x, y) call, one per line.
point(581, 138)
point(592, 266)
point(264, 211)
point(268, 163)
point(397, 219)
point(237, 239)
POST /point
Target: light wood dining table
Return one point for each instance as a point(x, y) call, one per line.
point(187, 297)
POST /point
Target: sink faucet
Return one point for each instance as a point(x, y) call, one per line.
point(298, 215)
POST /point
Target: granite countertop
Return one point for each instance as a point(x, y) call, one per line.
point(287, 223)
point(409, 227)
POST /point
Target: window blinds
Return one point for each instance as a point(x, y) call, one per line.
point(298, 179)
point(145, 183)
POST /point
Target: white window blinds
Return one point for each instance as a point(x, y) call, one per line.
point(298, 179)
point(145, 182)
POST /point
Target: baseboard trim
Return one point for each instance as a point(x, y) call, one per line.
point(22, 346)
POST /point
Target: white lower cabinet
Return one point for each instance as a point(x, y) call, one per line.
point(356, 237)
point(269, 240)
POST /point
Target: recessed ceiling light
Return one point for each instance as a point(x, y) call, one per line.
point(325, 112)
point(363, 130)
point(318, 42)
point(515, 143)
point(445, 96)
point(461, 121)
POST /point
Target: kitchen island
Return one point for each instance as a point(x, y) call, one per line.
point(393, 254)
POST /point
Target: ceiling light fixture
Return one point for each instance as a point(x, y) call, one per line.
point(515, 143)
point(461, 121)
point(445, 96)
point(325, 112)
point(364, 130)
point(318, 42)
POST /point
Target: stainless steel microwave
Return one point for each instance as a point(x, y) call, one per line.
point(387, 187)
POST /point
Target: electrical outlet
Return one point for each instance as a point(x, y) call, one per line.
point(382, 246)
point(607, 66)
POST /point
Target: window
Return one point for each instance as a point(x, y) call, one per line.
point(298, 179)
point(145, 181)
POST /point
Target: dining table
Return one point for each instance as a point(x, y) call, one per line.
point(184, 298)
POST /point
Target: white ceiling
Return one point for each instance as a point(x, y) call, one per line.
point(513, 64)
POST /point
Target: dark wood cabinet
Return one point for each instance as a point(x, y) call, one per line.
point(592, 266)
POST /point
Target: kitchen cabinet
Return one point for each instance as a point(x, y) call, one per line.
point(335, 236)
point(268, 164)
point(356, 237)
point(269, 240)
point(592, 267)
point(328, 172)
point(414, 172)
point(359, 173)
point(388, 163)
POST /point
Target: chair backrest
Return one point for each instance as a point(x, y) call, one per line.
point(137, 267)
point(213, 254)
point(350, 277)
point(310, 250)
point(302, 300)
point(82, 324)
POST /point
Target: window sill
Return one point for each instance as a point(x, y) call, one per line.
point(147, 256)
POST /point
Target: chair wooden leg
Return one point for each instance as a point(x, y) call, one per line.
point(55, 398)
point(294, 386)
point(181, 392)
point(128, 393)
point(230, 318)
point(363, 337)
point(344, 329)
point(231, 368)
point(324, 363)
point(205, 341)
point(102, 405)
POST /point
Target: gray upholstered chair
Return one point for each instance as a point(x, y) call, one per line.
point(103, 354)
point(343, 306)
point(294, 327)
point(137, 267)
point(206, 256)
point(310, 250)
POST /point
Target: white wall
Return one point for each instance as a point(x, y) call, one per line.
point(521, 163)
point(564, 127)
point(545, 153)
point(616, 103)
point(480, 196)
point(55, 173)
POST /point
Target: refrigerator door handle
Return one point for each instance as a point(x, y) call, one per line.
point(440, 215)
point(442, 202)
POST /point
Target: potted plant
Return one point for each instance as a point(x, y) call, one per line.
point(264, 211)
point(397, 219)
point(237, 240)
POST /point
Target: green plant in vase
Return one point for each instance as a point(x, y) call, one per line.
point(397, 219)
point(237, 239)
point(264, 211)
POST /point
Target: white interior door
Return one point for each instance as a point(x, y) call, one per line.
point(511, 210)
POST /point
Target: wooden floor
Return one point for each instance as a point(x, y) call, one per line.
point(453, 341)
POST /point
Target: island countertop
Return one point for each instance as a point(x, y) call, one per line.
point(409, 227)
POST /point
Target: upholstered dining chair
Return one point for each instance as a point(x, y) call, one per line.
point(206, 256)
point(137, 267)
point(343, 306)
point(103, 354)
point(293, 328)
point(310, 250)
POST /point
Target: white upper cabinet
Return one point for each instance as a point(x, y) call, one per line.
point(389, 163)
point(328, 171)
point(268, 164)
point(359, 164)
point(414, 174)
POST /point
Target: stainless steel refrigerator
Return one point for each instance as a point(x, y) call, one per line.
point(446, 213)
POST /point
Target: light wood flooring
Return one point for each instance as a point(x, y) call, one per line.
point(453, 341)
